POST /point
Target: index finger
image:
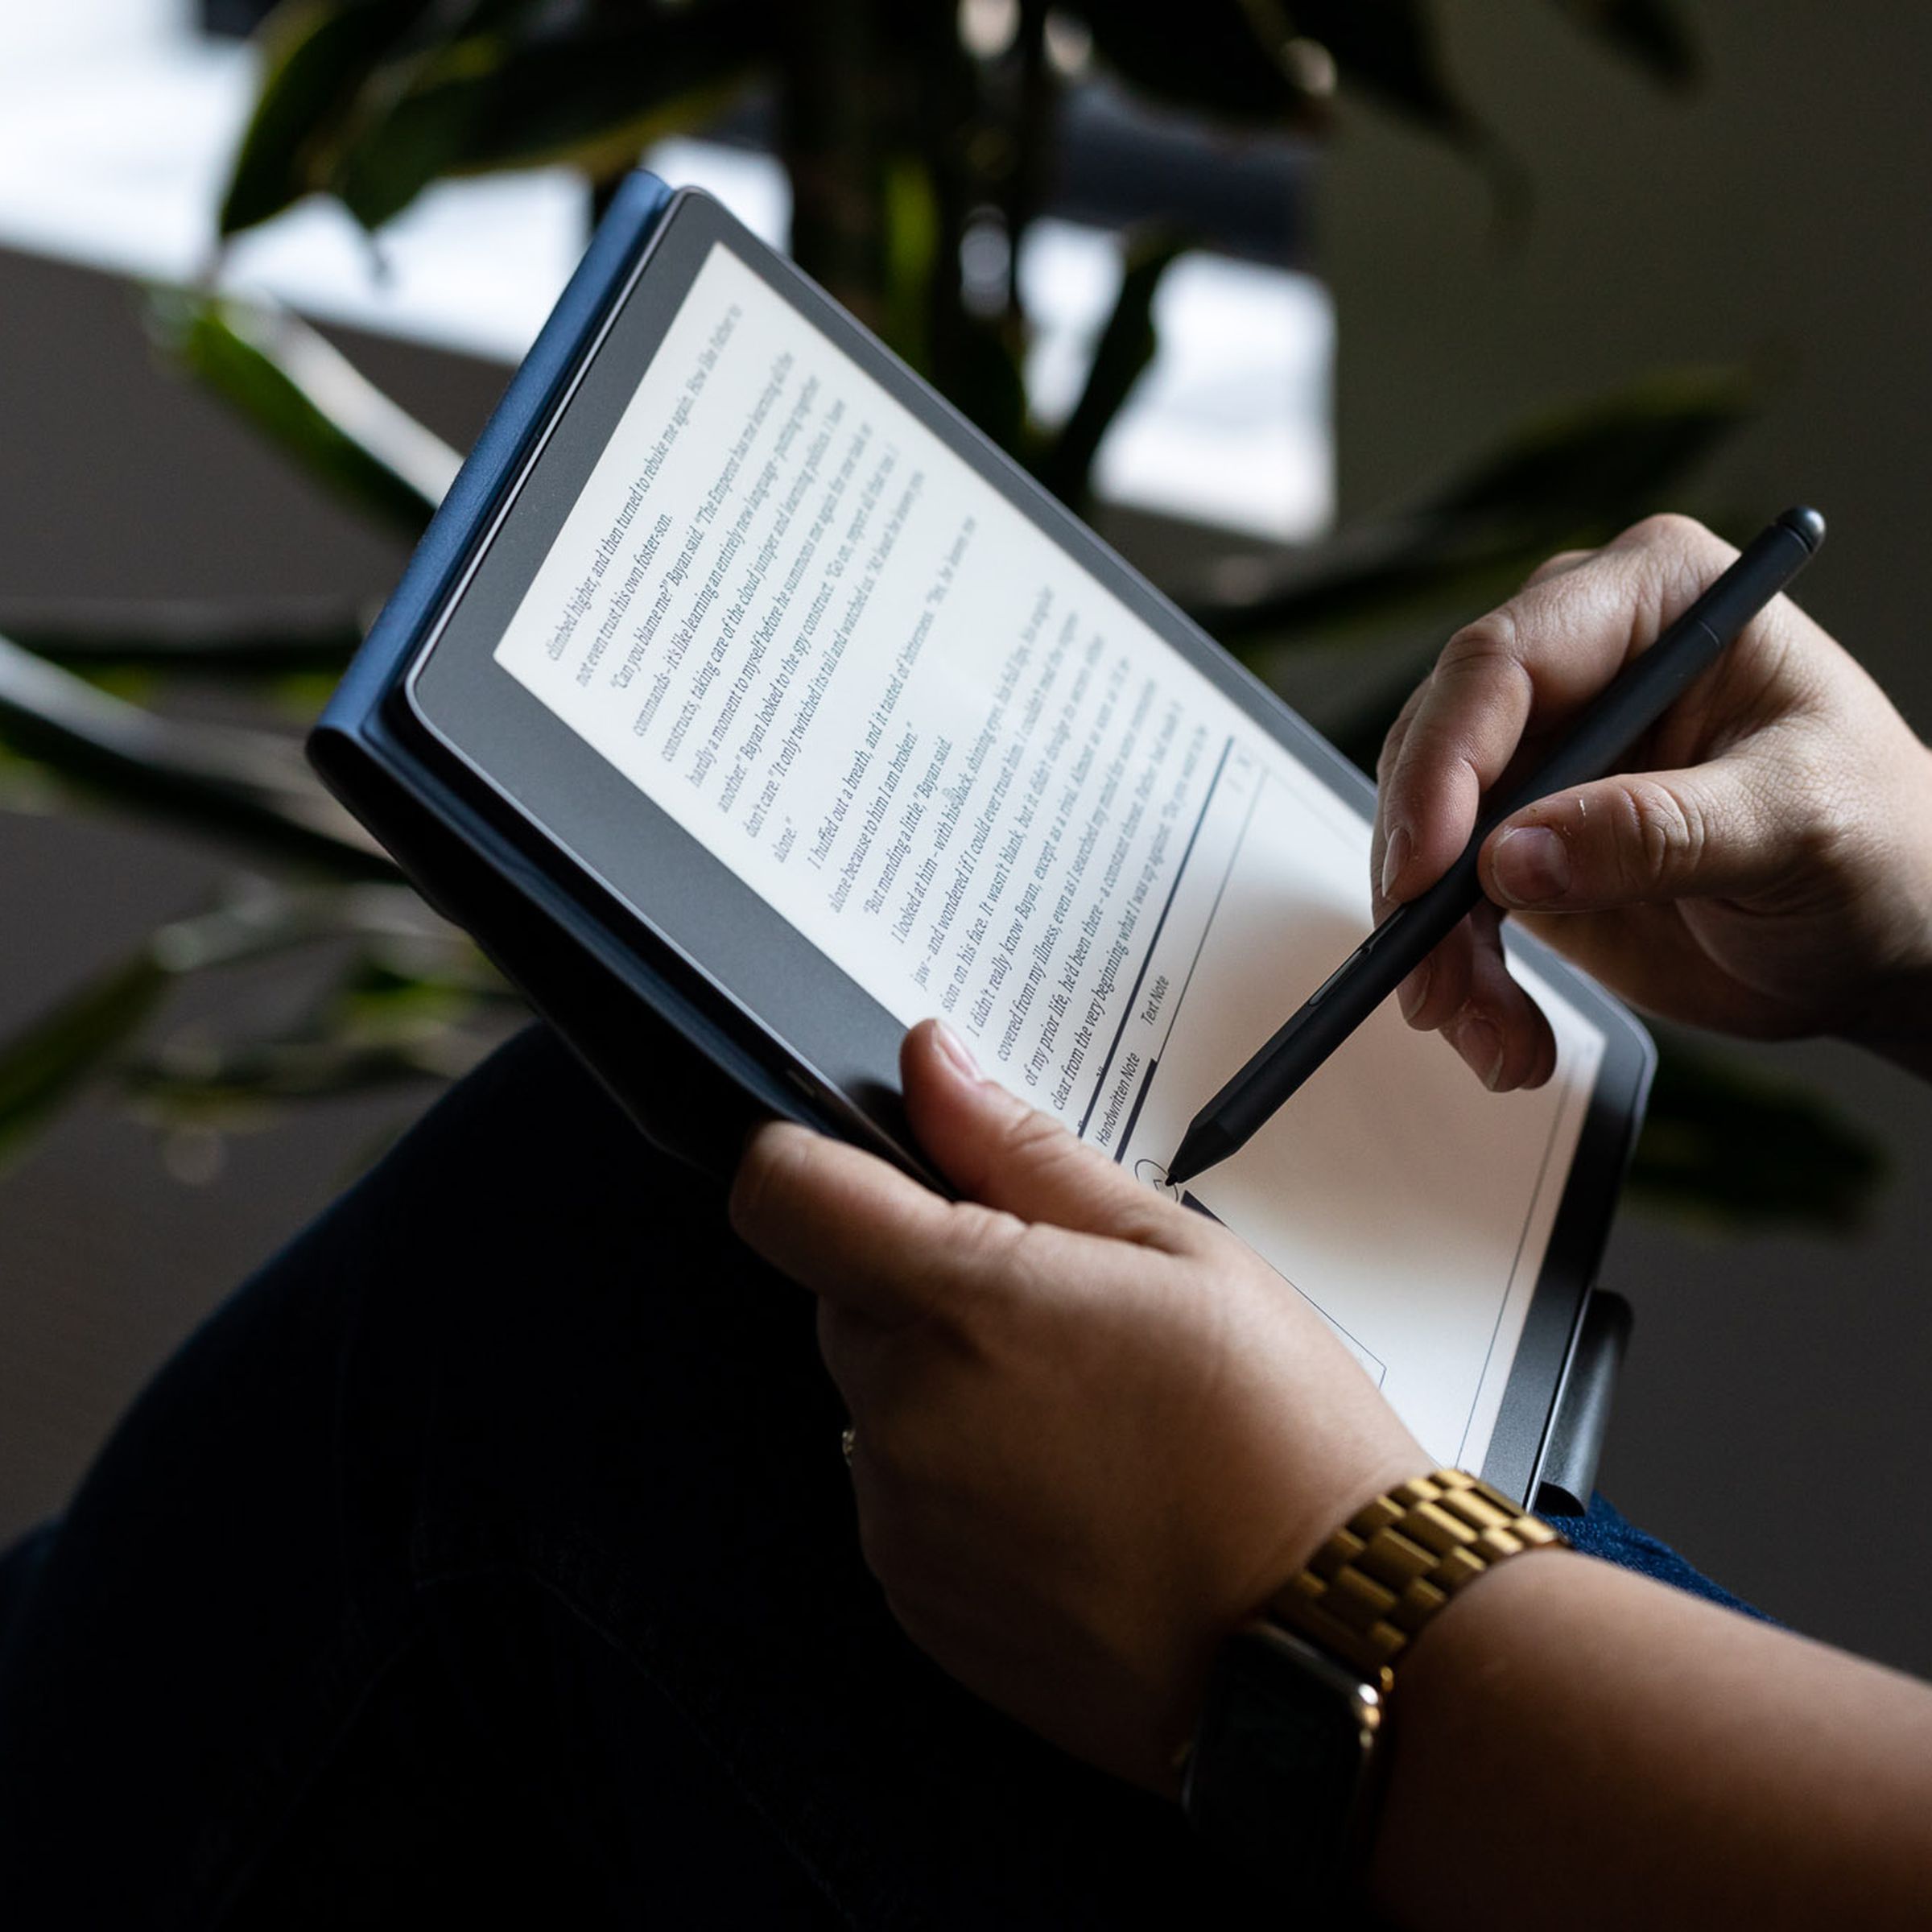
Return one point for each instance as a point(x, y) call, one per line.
point(1522, 671)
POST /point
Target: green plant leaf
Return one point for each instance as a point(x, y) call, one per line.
point(984, 377)
point(327, 66)
point(1576, 463)
point(51, 1061)
point(593, 95)
point(302, 393)
point(1570, 476)
point(265, 920)
point(228, 639)
point(1729, 1144)
point(433, 1025)
point(1126, 347)
point(250, 788)
point(28, 787)
point(207, 1086)
point(1236, 60)
point(1387, 49)
point(1370, 579)
point(1652, 33)
point(1225, 59)
point(913, 241)
point(317, 57)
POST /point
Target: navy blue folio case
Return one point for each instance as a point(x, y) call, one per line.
point(644, 1030)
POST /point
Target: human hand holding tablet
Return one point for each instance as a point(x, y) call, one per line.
point(1071, 1399)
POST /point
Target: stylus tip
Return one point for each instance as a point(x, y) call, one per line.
point(1205, 1143)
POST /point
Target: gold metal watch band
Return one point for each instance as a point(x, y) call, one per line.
point(1372, 1586)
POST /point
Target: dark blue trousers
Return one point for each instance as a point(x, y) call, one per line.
point(492, 1552)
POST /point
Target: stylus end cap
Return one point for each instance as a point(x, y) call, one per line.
point(1805, 524)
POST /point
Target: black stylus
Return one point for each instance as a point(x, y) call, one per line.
point(1627, 707)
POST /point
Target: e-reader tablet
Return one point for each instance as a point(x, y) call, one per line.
point(763, 670)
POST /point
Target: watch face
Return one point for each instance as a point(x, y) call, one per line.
point(1277, 1779)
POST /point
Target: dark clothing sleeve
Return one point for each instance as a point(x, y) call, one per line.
point(491, 1552)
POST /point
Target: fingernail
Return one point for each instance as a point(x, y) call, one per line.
point(1414, 992)
point(1395, 856)
point(956, 1051)
point(1481, 1046)
point(1532, 865)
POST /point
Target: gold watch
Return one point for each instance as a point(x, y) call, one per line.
point(1281, 1775)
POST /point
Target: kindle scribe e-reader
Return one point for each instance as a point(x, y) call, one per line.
point(748, 706)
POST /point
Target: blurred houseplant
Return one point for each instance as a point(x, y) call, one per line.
point(919, 139)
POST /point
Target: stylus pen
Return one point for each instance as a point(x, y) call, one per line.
point(1627, 707)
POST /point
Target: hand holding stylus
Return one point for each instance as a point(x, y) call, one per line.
point(1760, 863)
point(1600, 735)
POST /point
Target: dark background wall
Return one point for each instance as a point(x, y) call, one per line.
point(1766, 1421)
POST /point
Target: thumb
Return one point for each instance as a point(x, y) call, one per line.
point(1708, 832)
point(997, 1149)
